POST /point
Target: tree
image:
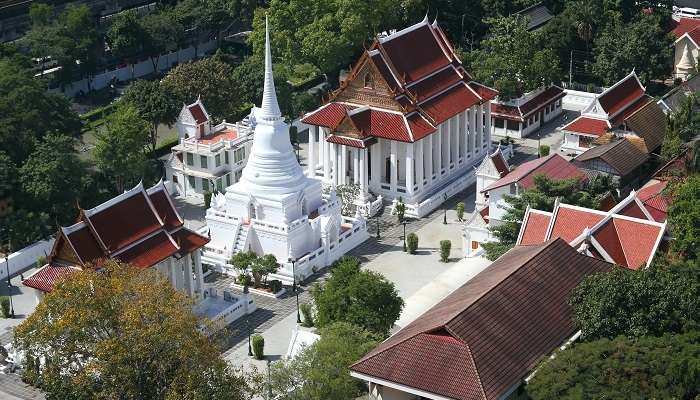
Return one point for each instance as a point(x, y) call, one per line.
point(321, 371)
point(637, 303)
point(154, 105)
point(120, 152)
point(542, 197)
point(8, 175)
point(623, 368)
point(125, 36)
point(642, 45)
point(51, 177)
point(209, 78)
point(512, 61)
point(248, 80)
point(684, 218)
point(28, 112)
point(263, 266)
point(162, 33)
point(363, 298)
point(125, 333)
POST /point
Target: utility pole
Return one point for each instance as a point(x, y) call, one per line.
point(571, 68)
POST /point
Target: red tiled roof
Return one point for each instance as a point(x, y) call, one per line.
point(506, 111)
point(85, 244)
point(415, 53)
point(189, 241)
point(419, 126)
point(435, 83)
point(198, 113)
point(569, 223)
point(631, 109)
point(328, 116)
point(502, 323)
point(46, 277)
point(607, 236)
point(124, 222)
point(684, 25)
point(656, 203)
point(638, 240)
point(695, 35)
point(347, 141)
point(500, 163)
point(588, 126)
point(536, 103)
point(219, 136)
point(149, 252)
point(450, 103)
point(632, 210)
point(485, 92)
point(164, 208)
point(383, 124)
point(620, 96)
point(553, 166)
point(535, 230)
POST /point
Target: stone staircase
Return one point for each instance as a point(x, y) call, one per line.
point(241, 239)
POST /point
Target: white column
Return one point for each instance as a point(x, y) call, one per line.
point(343, 164)
point(419, 163)
point(326, 160)
point(198, 271)
point(448, 148)
point(172, 272)
point(189, 284)
point(334, 161)
point(456, 135)
point(465, 135)
point(429, 159)
point(311, 172)
point(356, 166)
point(409, 169)
point(394, 171)
point(438, 172)
point(472, 128)
point(480, 125)
point(488, 127)
point(376, 161)
point(363, 173)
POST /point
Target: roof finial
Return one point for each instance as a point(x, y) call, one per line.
point(435, 24)
point(425, 19)
point(269, 107)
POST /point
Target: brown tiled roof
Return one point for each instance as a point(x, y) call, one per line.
point(166, 211)
point(649, 123)
point(485, 337)
point(198, 113)
point(536, 103)
point(553, 166)
point(621, 155)
point(621, 96)
point(411, 63)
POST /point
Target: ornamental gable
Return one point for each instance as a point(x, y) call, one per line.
point(347, 128)
point(63, 252)
point(366, 86)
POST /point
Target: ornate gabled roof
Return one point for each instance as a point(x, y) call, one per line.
point(519, 110)
point(428, 87)
point(553, 166)
point(487, 335)
point(623, 156)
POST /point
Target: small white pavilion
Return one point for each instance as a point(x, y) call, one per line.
point(275, 208)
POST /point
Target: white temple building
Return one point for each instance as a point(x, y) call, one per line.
point(208, 157)
point(275, 208)
point(409, 122)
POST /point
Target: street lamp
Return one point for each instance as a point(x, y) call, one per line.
point(294, 287)
point(9, 284)
point(250, 349)
point(377, 217)
point(444, 217)
point(538, 145)
point(404, 236)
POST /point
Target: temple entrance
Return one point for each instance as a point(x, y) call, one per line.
point(252, 214)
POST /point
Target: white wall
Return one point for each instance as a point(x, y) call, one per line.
point(22, 259)
point(577, 100)
point(497, 204)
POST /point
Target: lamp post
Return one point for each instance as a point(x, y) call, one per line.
point(404, 236)
point(250, 349)
point(539, 153)
point(444, 216)
point(9, 284)
point(377, 217)
point(294, 287)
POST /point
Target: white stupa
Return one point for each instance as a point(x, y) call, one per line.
point(275, 208)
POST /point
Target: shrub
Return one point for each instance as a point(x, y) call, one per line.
point(460, 211)
point(5, 306)
point(41, 261)
point(207, 199)
point(275, 285)
point(258, 347)
point(544, 150)
point(445, 247)
point(412, 242)
point(245, 280)
point(400, 209)
point(308, 315)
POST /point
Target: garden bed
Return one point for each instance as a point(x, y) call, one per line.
point(261, 292)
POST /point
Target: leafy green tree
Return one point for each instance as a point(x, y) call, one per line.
point(120, 151)
point(28, 112)
point(154, 105)
point(512, 61)
point(124, 333)
point(684, 218)
point(542, 197)
point(363, 298)
point(163, 33)
point(8, 176)
point(321, 371)
point(248, 79)
point(623, 368)
point(126, 36)
point(263, 266)
point(51, 177)
point(40, 14)
point(637, 303)
point(209, 78)
point(642, 45)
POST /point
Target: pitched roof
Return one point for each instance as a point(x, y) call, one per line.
point(625, 235)
point(46, 277)
point(683, 26)
point(649, 123)
point(486, 336)
point(656, 202)
point(621, 155)
point(588, 126)
point(528, 107)
point(537, 14)
point(535, 227)
point(429, 86)
point(623, 93)
point(198, 113)
point(553, 166)
point(672, 100)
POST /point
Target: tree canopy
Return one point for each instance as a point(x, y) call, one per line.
point(684, 218)
point(362, 298)
point(512, 61)
point(623, 368)
point(124, 333)
point(154, 105)
point(321, 371)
